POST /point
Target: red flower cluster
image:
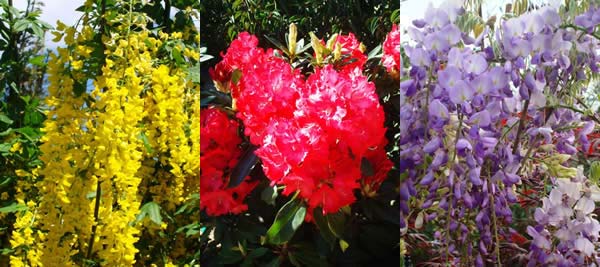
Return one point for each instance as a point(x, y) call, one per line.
point(219, 153)
point(312, 135)
point(352, 52)
point(391, 50)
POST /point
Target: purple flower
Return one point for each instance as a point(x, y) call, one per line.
point(449, 77)
point(461, 92)
point(451, 33)
point(482, 118)
point(474, 176)
point(436, 17)
point(483, 84)
point(438, 110)
point(475, 64)
point(436, 42)
point(418, 57)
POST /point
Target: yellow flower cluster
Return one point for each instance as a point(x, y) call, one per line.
point(108, 146)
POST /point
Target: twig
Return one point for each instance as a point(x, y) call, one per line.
point(521, 125)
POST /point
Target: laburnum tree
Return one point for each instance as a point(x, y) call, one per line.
point(118, 183)
point(316, 126)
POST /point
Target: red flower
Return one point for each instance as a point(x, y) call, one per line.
point(377, 167)
point(267, 91)
point(311, 135)
point(352, 52)
point(219, 153)
point(391, 50)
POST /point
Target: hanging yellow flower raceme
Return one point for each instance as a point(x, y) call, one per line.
point(109, 145)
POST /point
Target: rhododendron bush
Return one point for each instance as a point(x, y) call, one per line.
point(497, 162)
point(296, 152)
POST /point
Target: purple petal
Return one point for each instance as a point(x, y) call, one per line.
point(474, 176)
point(461, 93)
point(432, 145)
point(476, 64)
point(438, 110)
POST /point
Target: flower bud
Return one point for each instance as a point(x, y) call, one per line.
point(293, 33)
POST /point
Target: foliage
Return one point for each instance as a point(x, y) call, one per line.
point(222, 21)
point(22, 67)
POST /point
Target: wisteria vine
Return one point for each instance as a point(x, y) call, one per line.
point(484, 118)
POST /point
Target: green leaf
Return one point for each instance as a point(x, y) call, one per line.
point(38, 60)
point(194, 73)
point(594, 175)
point(269, 194)
point(14, 207)
point(230, 256)
point(257, 253)
point(90, 195)
point(307, 255)
point(30, 133)
point(366, 168)
point(273, 263)
point(21, 25)
point(142, 136)
point(5, 147)
point(206, 100)
point(375, 53)
point(5, 119)
point(323, 226)
point(343, 245)
point(278, 44)
point(6, 180)
point(337, 223)
point(78, 88)
point(176, 55)
point(204, 58)
point(37, 30)
point(6, 251)
point(152, 210)
point(287, 221)
point(236, 76)
point(244, 167)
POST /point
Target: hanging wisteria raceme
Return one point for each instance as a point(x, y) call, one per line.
point(477, 120)
point(567, 232)
point(312, 135)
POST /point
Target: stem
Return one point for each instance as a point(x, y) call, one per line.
point(593, 116)
point(166, 15)
point(494, 219)
point(521, 125)
point(580, 29)
point(451, 165)
point(98, 184)
point(95, 226)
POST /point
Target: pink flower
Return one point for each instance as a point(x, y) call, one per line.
point(391, 50)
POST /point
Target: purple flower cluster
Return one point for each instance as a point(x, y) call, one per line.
point(567, 232)
point(471, 115)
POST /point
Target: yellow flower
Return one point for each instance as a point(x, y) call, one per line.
point(21, 173)
point(77, 64)
point(16, 147)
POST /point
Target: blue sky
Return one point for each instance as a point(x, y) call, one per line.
point(63, 10)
